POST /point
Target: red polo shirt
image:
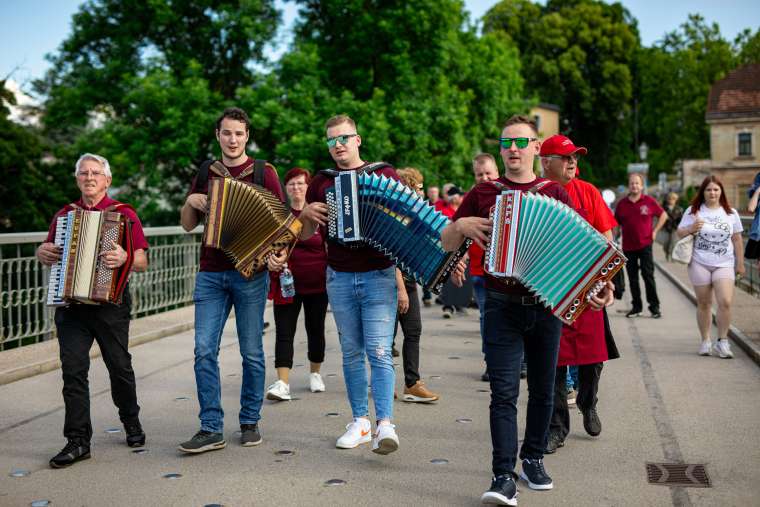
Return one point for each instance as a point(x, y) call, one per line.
point(138, 236)
point(635, 220)
point(339, 257)
point(213, 259)
point(590, 205)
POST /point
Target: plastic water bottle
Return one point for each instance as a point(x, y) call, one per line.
point(286, 283)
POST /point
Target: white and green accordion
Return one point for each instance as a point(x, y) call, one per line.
point(545, 245)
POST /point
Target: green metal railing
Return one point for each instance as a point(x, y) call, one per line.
point(25, 318)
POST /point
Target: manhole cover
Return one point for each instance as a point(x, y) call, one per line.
point(284, 452)
point(467, 342)
point(484, 391)
point(40, 503)
point(299, 365)
point(113, 430)
point(335, 482)
point(140, 451)
point(454, 357)
point(332, 414)
point(213, 505)
point(690, 475)
point(434, 377)
point(232, 375)
point(19, 472)
point(332, 374)
point(181, 398)
point(172, 476)
point(439, 461)
point(464, 420)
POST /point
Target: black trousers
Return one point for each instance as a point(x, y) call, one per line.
point(588, 387)
point(411, 325)
point(285, 320)
point(78, 325)
point(642, 259)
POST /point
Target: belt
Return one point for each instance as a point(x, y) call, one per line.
point(520, 299)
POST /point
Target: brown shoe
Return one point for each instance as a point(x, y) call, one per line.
point(418, 393)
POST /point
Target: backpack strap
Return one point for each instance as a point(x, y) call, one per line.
point(116, 206)
point(538, 186)
point(258, 171)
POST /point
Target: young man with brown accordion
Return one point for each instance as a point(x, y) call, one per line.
point(78, 324)
point(514, 321)
point(219, 286)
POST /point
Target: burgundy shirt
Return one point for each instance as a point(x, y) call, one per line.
point(635, 219)
point(339, 257)
point(213, 259)
point(308, 263)
point(479, 202)
point(138, 236)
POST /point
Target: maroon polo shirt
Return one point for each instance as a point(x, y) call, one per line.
point(635, 219)
point(138, 236)
point(213, 259)
point(339, 257)
point(308, 263)
point(480, 201)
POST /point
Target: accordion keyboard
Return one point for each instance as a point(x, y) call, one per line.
point(57, 273)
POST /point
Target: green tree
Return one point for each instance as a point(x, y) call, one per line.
point(578, 55)
point(747, 45)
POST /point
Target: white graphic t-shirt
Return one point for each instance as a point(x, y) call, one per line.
point(713, 245)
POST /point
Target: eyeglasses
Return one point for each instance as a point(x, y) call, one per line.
point(520, 142)
point(87, 174)
point(564, 158)
point(332, 141)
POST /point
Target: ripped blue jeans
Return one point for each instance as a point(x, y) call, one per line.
point(364, 308)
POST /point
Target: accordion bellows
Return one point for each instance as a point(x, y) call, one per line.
point(248, 223)
point(551, 250)
point(80, 274)
point(364, 208)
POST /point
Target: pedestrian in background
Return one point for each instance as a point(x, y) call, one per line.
point(717, 259)
point(674, 212)
point(753, 244)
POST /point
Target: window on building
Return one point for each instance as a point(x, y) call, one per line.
point(741, 197)
point(745, 144)
point(537, 119)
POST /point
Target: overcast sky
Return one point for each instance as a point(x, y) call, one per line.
point(31, 29)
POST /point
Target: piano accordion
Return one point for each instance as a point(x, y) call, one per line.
point(80, 274)
point(248, 223)
point(367, 209)
point(550, 249)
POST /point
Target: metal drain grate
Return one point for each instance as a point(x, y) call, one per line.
point(688, 475)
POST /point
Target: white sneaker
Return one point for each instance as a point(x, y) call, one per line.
point(358, 432)
point(723, 349)
point(316, 384)
point(704, 349)
point(386, 440)
point(279, 391)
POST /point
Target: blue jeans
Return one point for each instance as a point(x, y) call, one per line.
point(572, 377)
point(510, 330)
point(479, 289)
point(364, 308)
point(215, 294)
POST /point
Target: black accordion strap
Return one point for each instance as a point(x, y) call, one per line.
point(535, 188)
point(374, 166)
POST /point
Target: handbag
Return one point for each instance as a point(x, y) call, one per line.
point(683, 249)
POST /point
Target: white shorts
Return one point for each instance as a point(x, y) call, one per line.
point(699, 274)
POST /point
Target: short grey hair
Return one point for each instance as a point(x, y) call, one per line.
point(97, 158)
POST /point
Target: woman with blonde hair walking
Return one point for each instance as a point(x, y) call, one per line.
point(717, 259)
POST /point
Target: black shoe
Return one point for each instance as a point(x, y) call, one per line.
point(485, 377)
point(203, 441)
point(534, 474)
point(591, 422)
point(554, 443)
point(135, 434)
point(523, 370)
point(394, 352)
point(503, 491)
point(73, 452)
point(249, 435)
point(438, 301)
point(633, 314)
point(656, 314)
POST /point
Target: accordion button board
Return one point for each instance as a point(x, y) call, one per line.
point(367, 209)
point(551, 250)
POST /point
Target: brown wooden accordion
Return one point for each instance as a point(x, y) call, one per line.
point(248, 223)
point(80, 274)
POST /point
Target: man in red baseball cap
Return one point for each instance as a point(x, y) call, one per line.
point(587, 343)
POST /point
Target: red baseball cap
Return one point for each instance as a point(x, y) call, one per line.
point(560, 145)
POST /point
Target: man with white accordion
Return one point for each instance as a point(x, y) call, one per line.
point(78, 324)
point(515, 321)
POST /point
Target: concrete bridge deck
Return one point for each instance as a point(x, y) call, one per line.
point(660, 402)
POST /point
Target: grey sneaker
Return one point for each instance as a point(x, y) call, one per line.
point(203, 441)
point(249, 435)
